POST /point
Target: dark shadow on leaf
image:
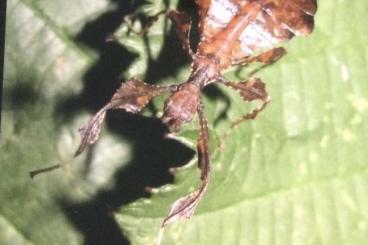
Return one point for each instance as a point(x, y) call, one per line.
point(215, 94)
point(152, 154)
point(22, 94)
point(95, 220)
point(22, 97)
point(172, 56)
point(103, 78)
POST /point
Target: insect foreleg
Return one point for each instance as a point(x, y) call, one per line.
point(132, 96)
point(183, 24)
point(129, 20)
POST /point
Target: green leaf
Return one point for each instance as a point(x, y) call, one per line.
point(295, 175)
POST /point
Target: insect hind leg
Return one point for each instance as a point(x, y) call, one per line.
point(253, 88)
point(249, 90)
point(267, 58)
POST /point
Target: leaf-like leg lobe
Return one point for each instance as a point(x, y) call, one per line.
point(249, 90)
point(132, 96)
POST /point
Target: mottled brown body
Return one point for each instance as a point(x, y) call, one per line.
point(232, 32)
point(222, 43)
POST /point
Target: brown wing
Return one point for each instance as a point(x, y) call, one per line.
point(278, 21)
point(214, 15)
point(295, 15)
point(203, 6)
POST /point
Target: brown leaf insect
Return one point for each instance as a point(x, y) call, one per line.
point(232, 32)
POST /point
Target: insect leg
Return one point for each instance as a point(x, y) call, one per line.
point(182, 23)
point(129, 19)
point(184, 207)
point(203, 147)
point(271, 56)
point(267, 58)
point(132, 96)
point(249, 90)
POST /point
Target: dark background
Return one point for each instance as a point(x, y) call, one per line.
point(2, 47)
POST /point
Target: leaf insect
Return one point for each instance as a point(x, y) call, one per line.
point(232, 32)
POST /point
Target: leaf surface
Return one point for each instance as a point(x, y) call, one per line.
point(297, 174)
